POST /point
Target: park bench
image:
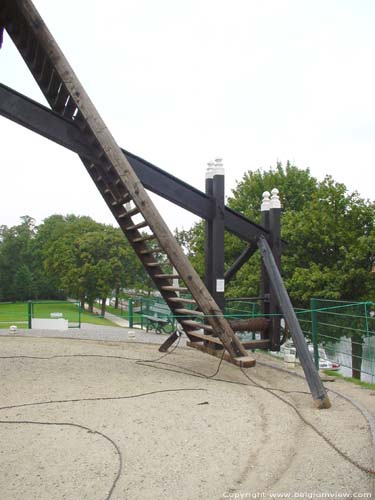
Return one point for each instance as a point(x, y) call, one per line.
point(159, 318)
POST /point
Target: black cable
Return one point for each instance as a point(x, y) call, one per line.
point(367, 470)
point(118, 452)
point(114, 398)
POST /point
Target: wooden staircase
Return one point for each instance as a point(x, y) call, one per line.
point(121, 189)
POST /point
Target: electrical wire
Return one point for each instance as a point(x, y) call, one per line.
point(344, 455)
point(70, 424)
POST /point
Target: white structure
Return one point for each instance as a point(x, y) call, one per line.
point(49, 324)
point(275, 198)
point(266, 202)
point(210, 170)
point(219, 167)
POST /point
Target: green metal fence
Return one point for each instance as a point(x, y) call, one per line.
point(20, 314)
point(70, 311)
point(242, 308)
point(13, 313)
point(344, 332)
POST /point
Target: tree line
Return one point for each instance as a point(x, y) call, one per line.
point(67, 256)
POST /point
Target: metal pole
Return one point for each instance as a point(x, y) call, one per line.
point(314, 331)
point(130, 312)
point(29, 314)
point(369, 343)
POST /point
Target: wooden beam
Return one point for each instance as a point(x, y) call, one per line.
point(317, 388)
point(240, 261)
point(243, 362)
point(250, 344)
point(250, 324)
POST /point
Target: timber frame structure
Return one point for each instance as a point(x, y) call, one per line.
point(122, 179)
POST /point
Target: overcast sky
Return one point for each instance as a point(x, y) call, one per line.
point(180, 82)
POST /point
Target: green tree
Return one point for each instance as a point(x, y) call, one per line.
point(23, 285)
point(16, 255)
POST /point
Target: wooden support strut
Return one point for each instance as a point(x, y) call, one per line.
point(317, 389)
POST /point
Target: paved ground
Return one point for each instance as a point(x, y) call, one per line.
point(97, 332)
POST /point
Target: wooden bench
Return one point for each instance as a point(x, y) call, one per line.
point(159, 318)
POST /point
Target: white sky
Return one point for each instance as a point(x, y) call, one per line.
point(181, 82)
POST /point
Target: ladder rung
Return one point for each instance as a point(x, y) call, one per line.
point(167, 276)
point(196, 324)
point(189, 312)
point(53, 84)
point(136, 226)
point(256, 344)
point(207, 338)
point(151, 250)
point(60, 100)
point(129, 213)
point(174, 289)
point(153, 264)
point(123, 200)
point(45, 73)
point(181, 300)
point(144, 238)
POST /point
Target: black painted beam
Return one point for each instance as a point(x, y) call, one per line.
point(240, 261)
point(217, 250)
point(43, 121)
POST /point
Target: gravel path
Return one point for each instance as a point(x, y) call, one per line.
point(89, 331)
point(178, 435)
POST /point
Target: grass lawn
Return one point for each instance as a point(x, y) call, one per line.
point(121, 313)
point(16, 313)
point(366, 385)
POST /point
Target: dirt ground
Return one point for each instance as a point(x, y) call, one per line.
point(159, 431)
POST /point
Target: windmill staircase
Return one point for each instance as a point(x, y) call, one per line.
point(122, 190)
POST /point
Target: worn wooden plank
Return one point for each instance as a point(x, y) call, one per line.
point(250, 344)
point(317, 388)
point(244, 362)
point(249, 324)
point(196, 324)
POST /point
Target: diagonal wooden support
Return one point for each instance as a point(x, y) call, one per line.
point(111, 171)
point(317, 388)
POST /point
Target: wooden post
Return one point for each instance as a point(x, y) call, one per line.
point(317, 389)
point(275, 244)
point(218, 228)
point(265, 283)
point(208, 277)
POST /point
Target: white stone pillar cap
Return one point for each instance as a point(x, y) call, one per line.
point(266, 202)
point(275, 198)
point(219, 168)
point(210, 170)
